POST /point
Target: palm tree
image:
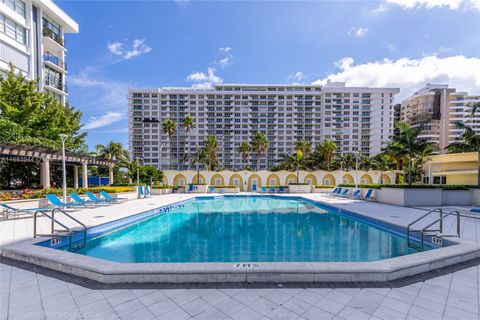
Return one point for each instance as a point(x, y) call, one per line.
point(199, 157)
point(304, 146)
point(381, 162)
point(244, 149)
point(327, 150)
point(407, 144)
point(365, 162)
point(211, 147)
point(469, 141)
point(475, 107)
point(348, 161)
point(259, 145)
point(112, 151)
point(170, 128)
point(188, 124)
point(298, 161)
point(127, 163)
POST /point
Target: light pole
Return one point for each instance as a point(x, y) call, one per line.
point(64, 170)
point(138, 175)
point(356, 168)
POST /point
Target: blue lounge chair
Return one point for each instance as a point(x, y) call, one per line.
point(190, 187)
point(357, 194)
point(58, 203)
point(109, 198)
point(9, 210)
point(272, 189)
point(336, 191)
point(254, 188)
point(211, 189)
point(264, 189)
point(141, 192)
point(369, 195)
point(344, 192)
point(475, 210)
point(281, 189)
point(94, 198)
point(148, 194)
point(75, 197)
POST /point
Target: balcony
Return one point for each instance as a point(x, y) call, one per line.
point(54, 61)
point(55, 83)
point(55, 37)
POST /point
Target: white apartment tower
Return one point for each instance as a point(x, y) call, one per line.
point(437, 107)
point(352, 117)
point(32, 40)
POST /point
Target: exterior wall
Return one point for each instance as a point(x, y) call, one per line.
point(437, 107)
point(245, 178)
point(455, 168)
point(355, 118)
point(39, 51)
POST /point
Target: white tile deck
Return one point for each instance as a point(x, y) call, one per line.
point(33, 293)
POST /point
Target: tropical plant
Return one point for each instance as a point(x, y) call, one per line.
point(112, 151)
point(327, 150)
point(211, 148)
point(469, 141)
point(298, 162)
point(259, 145)
point(381, 162)
point(406, 143)
point(188, 124)
point(199, 157)
point(348, 161)
point(365, 162)
point(244, 149)
point(304, 146)
point(475, 107)
point(169, 127)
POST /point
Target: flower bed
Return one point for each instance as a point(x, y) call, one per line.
point(35, 194)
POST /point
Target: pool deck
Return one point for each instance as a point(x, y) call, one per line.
point(28, 292)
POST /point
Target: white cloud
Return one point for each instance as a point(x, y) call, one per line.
point(205, 80)
point(182, 3)
point(297, 77)
point(408, 74)
point(103, 120)
point(137, 48)
point(391, 47)
point(358, 32)
point(227, 59)
point(430, 4)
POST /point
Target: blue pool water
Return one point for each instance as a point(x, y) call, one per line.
point(248, 229)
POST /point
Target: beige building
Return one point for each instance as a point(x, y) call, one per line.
point(452, 168)
point(438, 107)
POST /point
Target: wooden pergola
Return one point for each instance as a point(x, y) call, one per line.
point(23, 153)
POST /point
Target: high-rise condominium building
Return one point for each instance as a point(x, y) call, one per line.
point(32, 40)
point(352, 117)
point(436, 108)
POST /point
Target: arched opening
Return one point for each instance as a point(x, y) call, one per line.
point(310, 179)
point(386, 179)
point(366, 179)
point(329, 180)
point(291, 178)
point(179, 180)
point(273, 180)
point(254, 179)
point(217, 180)
point(236, 180)
point(199, 179)
point(347, 179)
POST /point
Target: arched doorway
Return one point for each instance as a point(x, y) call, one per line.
point(199, 179)
point(179, 180)
point(386, 179)
point(310, 179)
point(329, 180)
point(236, 180)
point(273, 180)
point(254, 179)
point(366, 179)
point(347, 179)
point(291, 178)
point(217, 180)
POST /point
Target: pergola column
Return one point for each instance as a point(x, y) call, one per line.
point(110, 174)
point(75, 177)
point(85, 175)
point(45, 173)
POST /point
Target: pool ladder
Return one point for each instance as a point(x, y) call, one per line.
point(64, 232)
point(425, 231)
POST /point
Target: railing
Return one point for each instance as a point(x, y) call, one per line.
point(55, 37)
point(47, 56)
point(426, 229)
point(68, 231)
point(56, 83)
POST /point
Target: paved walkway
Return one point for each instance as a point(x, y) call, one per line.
point(28, 292)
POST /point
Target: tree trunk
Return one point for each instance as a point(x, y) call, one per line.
point(198, 174)
point(409, 171)
point(258, 160)
point(298, 174)
point(478, 168)
point(381, 177)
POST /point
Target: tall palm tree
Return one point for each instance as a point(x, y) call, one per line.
point(327, 150)
point(469, 141)
point(381, 162)
point(188, 124)
point(170, 128)
point(365, 162)
point(259, 145)
point(475, 107)
point(298, 161)
point(199, 157)
point(348, 161)
point(244, 149)
point(211, 147)
point(304, 146)
point(112, 151)
point(406, 143)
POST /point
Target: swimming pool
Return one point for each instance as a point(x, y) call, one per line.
point(248, 229)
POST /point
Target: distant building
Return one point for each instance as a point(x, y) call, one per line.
point(437, 107)
point(354, 117)
point(396, 116)
point(32, 39)
point(452, 168)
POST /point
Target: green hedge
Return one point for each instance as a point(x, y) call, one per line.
point(224, 186)
point(323, 187)
point(298, 184)
point(35, 194)
point(162, 186)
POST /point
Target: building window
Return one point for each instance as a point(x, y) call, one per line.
point(13, 30)
point(52, 30)
point(16, 5)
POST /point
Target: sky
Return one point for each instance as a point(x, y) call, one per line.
point(184, 43)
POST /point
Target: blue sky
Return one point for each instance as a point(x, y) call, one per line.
point(396, 43)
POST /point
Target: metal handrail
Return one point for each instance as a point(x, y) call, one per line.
point(67, 229)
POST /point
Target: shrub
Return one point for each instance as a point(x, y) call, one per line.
point(323, 186)
point(369, 186)
point(35, 194)
point(225, 186)
point(162, 186)
point(298, 184)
